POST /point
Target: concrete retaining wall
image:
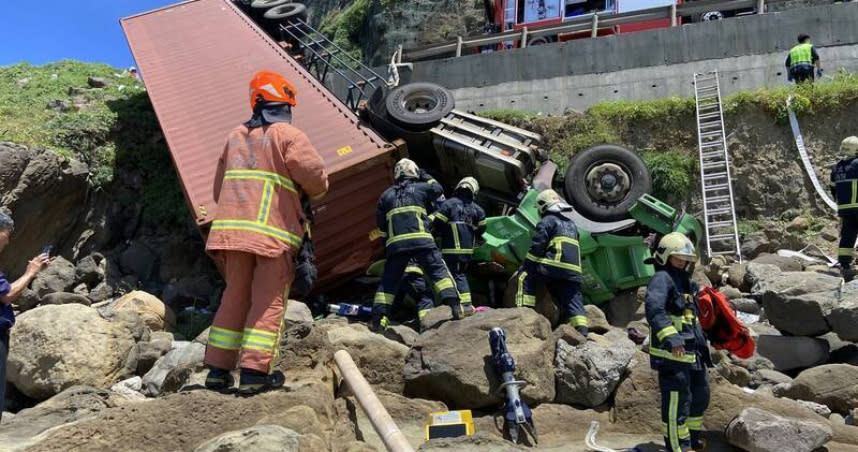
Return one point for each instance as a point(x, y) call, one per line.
point(748, 51)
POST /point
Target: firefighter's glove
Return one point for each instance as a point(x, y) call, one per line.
point(819, 73)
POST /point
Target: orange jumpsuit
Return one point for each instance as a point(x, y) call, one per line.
point(257, 230)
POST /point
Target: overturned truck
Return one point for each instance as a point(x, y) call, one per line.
point(196, 58)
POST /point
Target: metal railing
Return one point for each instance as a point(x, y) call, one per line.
point(592, 23)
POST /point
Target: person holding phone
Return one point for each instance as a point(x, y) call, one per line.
point(8, 293)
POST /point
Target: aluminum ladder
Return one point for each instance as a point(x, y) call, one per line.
point(719, 212)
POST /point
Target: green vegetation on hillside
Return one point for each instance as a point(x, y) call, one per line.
point(113, 129)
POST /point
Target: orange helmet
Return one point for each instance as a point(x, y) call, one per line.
point(267, 86)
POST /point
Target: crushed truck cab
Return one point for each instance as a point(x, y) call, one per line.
point(611, 260)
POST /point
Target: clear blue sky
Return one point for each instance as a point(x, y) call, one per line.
point(43, 31)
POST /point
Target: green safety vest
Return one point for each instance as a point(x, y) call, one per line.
point(801, 54)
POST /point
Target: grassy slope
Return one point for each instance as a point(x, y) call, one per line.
point(115, 132)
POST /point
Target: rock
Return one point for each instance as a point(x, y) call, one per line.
point(130, 388)
point(756, 243)
point(57, 277)
point(731, 292)
point(378, 358)
point(187, 354)
point(786, 264)
point(798, 224)
point(701, 278)
point(409, 414)
point(402, 334)
point(770, 377)
point(259, 438)
point(73, 404)
point(737, 375)
point(626, 307)
point(453, 362)
point(757, 430)
point(307, 354)
point(91, 270)
point(150, 352)
point(101, 292)
point(746, 305)
point(58, 105)
point(46, 194)
point(138, 260)
point(28, 299)
point(152, 311)
point(297, 312)
point(716, 269)
point(755, 273)
point(478, 442)
point(800, 315)
point(790, 352)
point(588, 374)
point(817, 408)
point(834, 385)
point(736, 276)
point(435, 317)
point(56, 347)
point(844, 318)
point(65, 298)
point(81, 290)
point(796, 283)
point(190, 290)
point(96, 82)
point(598, 322)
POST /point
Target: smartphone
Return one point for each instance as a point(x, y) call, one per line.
point(47, 250)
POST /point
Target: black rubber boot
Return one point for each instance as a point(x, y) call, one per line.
point(455, 308)
point(253, 381)
point(379, 323)
point(219, 379)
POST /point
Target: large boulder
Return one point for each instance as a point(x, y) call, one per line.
point(453, 362)
point(154, 313)
point(792, 352)
point(183, 355)
point(65, 298)
point(57, 277)
point(800, 315)
point(409, 414)
point(626, 307)
point(787, 264)
point(91, 270)
point(55, 347)
point(378, 358)
point(844, 318)
point(588, 374)
point(833, 385)
point(755, 273)
point(262, 438)
point(139, 260)
point(46, 194)
point(757, 430)
point(790, 284)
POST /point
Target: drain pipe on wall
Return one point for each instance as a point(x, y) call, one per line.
point(384, 425)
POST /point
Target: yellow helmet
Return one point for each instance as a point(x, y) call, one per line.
point(674, 244)
point(849, 145)
point(405, 168)
point(469, 183)
point(546, 199)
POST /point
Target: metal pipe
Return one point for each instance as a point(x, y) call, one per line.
point(384, 425)
point(523, 37)
point(594, 30)
point(761, 6)
point(458, 46)
point(673, 21)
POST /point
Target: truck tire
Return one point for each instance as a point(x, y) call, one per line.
point(419, 106)
point(265, 4)
point(287, 11)
point(604, 181)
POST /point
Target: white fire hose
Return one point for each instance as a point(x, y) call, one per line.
point(384, 425)
point(805, 159)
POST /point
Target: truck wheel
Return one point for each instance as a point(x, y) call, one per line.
point(287, 11)
point(712, 16)
point(265, 4)
point(604, 181)
point(419, 106)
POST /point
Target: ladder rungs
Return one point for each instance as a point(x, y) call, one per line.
point(721, 211)
point(707, 166)
point(713, 154)
point(714, 176)
point(717, 114)
point(712, 144)
point(714, 133)
point(709, 124)
point(720, 224)
point(718, 187)
point(721, 237)
point(718, 199)
point(725, 253)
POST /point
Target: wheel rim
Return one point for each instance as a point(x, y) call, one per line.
point(608, 183)
point(419, 102)
point(712, 15)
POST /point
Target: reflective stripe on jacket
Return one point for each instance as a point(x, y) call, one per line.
point(844, 179)
point(403, 214)
point(260, 176)
point(554, 251)
point(671, 311)
point(460, 221)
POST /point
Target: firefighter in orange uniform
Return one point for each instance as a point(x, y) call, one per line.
point(259, 225)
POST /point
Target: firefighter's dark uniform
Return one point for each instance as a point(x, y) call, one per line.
point(671, 311)
point(844, 187)
point(460, 221)
point(403, 219)
point(414, 286)
point(554, 260)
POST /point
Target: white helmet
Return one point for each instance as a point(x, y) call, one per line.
point(548, 199)
point(849, 145)
point(405, 168)
point(469, 183)
point(674, 244)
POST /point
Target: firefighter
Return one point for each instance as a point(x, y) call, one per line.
point(266, 165)
point(403, 220)
point(678, 349)
point(801, 60)
point(460, 221)
point(554, 260)
point(844, 187)
point(414, 286)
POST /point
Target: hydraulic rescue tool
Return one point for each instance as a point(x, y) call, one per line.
point(517, 414)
